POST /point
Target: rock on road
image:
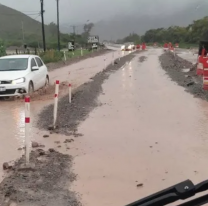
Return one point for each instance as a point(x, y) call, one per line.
point(148, 131)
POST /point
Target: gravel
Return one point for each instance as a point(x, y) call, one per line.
point(46, 183)
point(84, 100)
point(184, 73)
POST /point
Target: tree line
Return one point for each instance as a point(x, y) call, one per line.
point(191, 34)
point(34, 40)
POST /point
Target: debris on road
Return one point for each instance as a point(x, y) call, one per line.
point(5, 165)
point(47, 184)
point(140, 185)
point(45, 136)
point(35, 144)
point(68, 140)
point(84, 100)
point(174, 66)
point(190, 84)
point(142, 58)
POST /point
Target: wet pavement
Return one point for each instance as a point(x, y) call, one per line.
point(12, 112)
point(148, 131)
point(189, 55)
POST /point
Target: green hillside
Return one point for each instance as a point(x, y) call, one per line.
point(12, 35)
point(11, 26)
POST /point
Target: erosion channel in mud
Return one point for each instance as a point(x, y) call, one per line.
point(84, 99)
point(184, 73)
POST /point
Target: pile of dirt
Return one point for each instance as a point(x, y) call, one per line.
point(57, 65)
point(46, 183)
point(84, 100)
point(184, 73)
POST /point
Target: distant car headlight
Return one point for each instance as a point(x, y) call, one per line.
point(18, 81)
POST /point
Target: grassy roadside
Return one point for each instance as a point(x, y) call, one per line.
point(53, 56)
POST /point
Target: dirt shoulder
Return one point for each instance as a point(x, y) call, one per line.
point(184, 73)
point(84, 99)
point(57, 65)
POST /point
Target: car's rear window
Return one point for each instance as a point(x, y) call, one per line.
point(13, 64)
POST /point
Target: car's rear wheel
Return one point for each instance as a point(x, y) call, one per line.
point(47, 82)
point(30, 88)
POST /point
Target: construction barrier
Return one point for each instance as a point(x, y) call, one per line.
point(205, 74)
point(165, 47)
point(138, 46)
point(172, 49)
point(200, 64)
point(143, 46)
point(176, 45)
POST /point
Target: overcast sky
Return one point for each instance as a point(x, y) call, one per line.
point(78, 11)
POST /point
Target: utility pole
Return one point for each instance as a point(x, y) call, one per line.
point(58, 25)
point(23, 34)
point(74, 27)
point(43, 26)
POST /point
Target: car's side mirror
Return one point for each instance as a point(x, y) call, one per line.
point(35, 68)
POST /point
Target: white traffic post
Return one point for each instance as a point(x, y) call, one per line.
point(70, 92)
point(113, 58)
point(64, 56)
point(55, 103)
point(27, 129)
point(81, 52)
point(104, 63)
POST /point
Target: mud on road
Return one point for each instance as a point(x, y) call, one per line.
point(84, 100)
point(57, 65)
point(184, 73)
point(43, 185)
point(48, 182)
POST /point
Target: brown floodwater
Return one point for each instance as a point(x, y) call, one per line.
point(12, 113)
point(148, 131)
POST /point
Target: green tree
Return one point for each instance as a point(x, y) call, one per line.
point(2, 48)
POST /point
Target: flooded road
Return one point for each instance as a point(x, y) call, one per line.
point(12, 112)
point(189, 55)
point(148, 131)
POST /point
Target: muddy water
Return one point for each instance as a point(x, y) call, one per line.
point(149, 131)
point(188, 55)
point(12, 112)
point(83, 71)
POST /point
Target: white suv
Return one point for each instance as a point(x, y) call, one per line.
point(22, 74)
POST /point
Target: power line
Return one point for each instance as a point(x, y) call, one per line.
point(37, 16)
point(6, 14)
